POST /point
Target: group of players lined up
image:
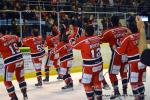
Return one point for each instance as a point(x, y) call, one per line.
point(123, 42)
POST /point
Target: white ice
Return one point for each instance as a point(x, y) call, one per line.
point(52, 90)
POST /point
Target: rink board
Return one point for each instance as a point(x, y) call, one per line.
point(77, 62)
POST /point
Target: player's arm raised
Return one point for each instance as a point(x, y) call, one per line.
point(141, 28)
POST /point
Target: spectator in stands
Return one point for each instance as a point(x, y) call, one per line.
point(36, 13)
point(104, 23)
point(105, 2)
point(4, 14)
point(79, 20)
point(126, 2)
point(17, 6)
point(15, 27)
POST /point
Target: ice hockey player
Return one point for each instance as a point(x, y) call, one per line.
point(64, 50)
point(74, 33)
point(37, 53)
point(129, 46)
point(92, 63)
point(118, 63)
point(13, 60)
point(51, 41)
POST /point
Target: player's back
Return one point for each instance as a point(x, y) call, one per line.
point(90, 47)
point(132, 47)
point(49, 42)
point(35, 44)
point(9, 48)
point(63, 48)
point(90, 50)
point(112, 35)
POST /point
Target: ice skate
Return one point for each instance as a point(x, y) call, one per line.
point(59, 78)
point(125, 92)
point(39, 84)
point(106, 87)
point(67, 87)
point(14, 98)
point(25, 97)
point(80, 81)
point(116, 95)
point(24, 92)
point(46, 80)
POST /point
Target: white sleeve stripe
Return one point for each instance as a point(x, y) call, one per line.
point(114, 29)
point(125, 40)
point(134, 55)
point(78, 43)
point(119, 28)
point(117, 51)
point(59, 49)
point(106, 32)
point(83, 41)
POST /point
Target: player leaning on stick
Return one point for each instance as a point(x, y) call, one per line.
point(129, 45)
point(13, 60)
point(92, 63)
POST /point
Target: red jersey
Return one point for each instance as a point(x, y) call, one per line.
point(129, 46)
point(36, 46)
point(9, 49)
point(51, 42)
point(76, 34)
point(65, 51)
point(90, 50)
point(112, 35)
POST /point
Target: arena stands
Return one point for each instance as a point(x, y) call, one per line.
point(20, 16)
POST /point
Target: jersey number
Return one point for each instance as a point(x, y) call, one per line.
point(39, 47)
point(14, 48)
point(95, 53)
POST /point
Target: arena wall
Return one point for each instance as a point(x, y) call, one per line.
point(77, 63)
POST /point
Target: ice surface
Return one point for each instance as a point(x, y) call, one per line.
point(52, 90)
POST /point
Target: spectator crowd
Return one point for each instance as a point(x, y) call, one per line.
point(30, 12)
